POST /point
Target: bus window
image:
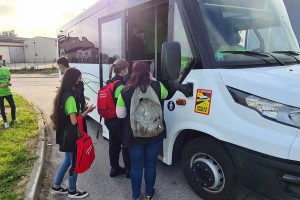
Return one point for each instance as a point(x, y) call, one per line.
point(90, 40)
point(180, 36)
point(72, 45)
point(111, 45)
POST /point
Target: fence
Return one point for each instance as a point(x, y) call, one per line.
point(39, 64)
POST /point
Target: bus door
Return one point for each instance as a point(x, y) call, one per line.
point(111, 46)
point(148, 28)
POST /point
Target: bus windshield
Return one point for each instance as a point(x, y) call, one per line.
point(249, 31)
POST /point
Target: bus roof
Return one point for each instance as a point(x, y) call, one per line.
point(112, 6)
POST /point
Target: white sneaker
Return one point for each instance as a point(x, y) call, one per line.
point(6, 125)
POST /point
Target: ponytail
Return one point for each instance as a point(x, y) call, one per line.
point(111, 70)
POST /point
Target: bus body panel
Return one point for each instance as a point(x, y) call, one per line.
point(295, 149)
point(224, 121)
point(107, 7)
point(90, 77)
point(280, 84)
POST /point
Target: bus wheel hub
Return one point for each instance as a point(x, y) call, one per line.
point(208, 173)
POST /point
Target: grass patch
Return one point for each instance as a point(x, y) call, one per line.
point(17, 151)
point(31, 70)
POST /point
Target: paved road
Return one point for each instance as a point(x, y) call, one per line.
point(170, 184)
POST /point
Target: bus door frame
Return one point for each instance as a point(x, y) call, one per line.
point(120, 15)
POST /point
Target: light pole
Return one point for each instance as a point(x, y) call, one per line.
point(35, 55)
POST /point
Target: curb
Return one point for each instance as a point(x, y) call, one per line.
point(34, 185)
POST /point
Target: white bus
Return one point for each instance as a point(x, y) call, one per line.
point(232, 68)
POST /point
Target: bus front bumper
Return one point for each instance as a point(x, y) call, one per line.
point(272, 177)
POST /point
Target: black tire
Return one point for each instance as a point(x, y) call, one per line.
point(209, 170)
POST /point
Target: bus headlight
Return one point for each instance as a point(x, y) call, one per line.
point(268, 109)
point(295, 117)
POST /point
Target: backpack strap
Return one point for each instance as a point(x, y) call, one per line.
point(113, 85)
point(80, 124)
point(112, 89)
point(156, 87)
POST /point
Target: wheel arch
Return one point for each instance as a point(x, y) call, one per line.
point(182, 139)
point(187, 135)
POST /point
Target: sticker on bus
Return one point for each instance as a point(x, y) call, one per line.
point(203, 101)
point(171, 105)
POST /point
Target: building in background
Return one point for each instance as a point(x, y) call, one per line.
point(12, 49)
point(40, 49)
point(28, 50)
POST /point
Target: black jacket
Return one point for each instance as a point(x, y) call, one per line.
point(67, 133)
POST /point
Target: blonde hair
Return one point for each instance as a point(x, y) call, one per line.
point(118, 66)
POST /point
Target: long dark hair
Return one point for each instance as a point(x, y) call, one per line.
point(68, 82)
point(140, 76)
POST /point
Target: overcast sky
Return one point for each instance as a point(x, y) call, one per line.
point(31, 18)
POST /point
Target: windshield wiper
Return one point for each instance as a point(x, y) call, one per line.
point(289, 53)
point(250, 53)
point(294, 53)
point(256, 54)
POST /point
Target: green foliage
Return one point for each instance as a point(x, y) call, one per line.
point(10, 33)
point(16, 159)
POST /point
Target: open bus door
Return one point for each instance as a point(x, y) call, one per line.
point(112, 37)
point(147, 31)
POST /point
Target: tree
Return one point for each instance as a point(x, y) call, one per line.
point(10, 33)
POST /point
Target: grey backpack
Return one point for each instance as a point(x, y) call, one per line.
point(146, 117)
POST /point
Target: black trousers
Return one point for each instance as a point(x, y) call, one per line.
point(11, 102)
point(115, 144)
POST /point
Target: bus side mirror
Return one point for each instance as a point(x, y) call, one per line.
point(170, 60)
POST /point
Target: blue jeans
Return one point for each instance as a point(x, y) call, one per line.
point(144, 156)
point(67, 162)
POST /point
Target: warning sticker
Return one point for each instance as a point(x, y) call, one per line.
point(203, 101)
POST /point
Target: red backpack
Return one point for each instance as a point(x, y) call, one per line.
point(85, 152)
point(105, 101)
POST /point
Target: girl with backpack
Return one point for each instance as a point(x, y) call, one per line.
point(143, 148)
point(64, 118)
point(114, 125)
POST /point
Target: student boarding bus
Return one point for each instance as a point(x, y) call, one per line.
point(232, 68)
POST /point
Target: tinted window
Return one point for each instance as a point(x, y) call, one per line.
point(180, 36)
point(90, 40)
point(70, 44)
point(111, 44)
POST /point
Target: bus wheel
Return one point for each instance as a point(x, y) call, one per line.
point(208, 168)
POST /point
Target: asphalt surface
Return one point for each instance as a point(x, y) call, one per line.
point(170, 183)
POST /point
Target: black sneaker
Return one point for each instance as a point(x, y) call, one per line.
point(150, 197)
point(127, 173)
point(77, 194)
point(116, 171)
point(59, 190)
